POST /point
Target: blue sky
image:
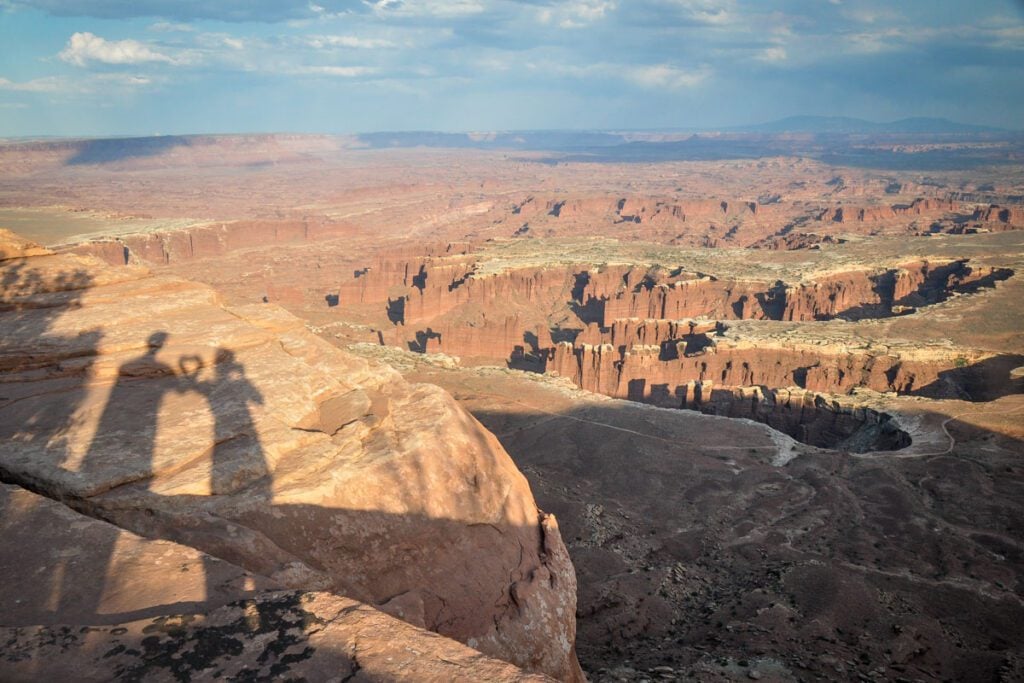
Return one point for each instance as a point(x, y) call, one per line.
point(110, 67)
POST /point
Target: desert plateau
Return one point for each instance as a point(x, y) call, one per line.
point(780, 436)
point(618, 398)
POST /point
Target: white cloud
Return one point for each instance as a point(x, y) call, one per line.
point(575, 14)
point(86, 47)
point(773, 55)
point(211, 45)
point(1014, 33)
point(583, 12)
point(171, 27)
point(666, 76)
point(652, 76)
point(876, 15)
point(124, 80)
point(436, 8)
point(322, 42)
point(341, 71)
point(47, 84)
point(68, 86)
point(875, 42)
point(710, 12)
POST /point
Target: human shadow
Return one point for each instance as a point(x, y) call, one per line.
point(47, 364)
point(237, 461)
point(120, 458)
point(417, 575)
point(81, 586)
point(34, 354)
point(121, 451)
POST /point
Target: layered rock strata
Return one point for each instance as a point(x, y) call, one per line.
point(672, 362)
point(422, 289)
point(207, 240)
point(652, 326)
point(626, 292)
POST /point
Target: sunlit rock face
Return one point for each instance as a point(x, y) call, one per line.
point(145, 402)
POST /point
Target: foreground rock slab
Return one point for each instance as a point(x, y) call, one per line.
point(144, 401)
point(174, 613)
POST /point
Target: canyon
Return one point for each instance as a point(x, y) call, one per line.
point(774, 403)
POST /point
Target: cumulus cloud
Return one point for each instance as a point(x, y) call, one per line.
point(476, 49)
point(86, 47)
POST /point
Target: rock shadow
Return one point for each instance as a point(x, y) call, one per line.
point(105, 151)
point(422, 342)
point(983, 381)
point(38, 354)
point(396, 310)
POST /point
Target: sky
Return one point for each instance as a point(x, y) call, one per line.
point(143, 67)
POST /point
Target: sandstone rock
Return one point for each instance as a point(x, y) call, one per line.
point(88, 601)
point(13, 246)
point(144, 401)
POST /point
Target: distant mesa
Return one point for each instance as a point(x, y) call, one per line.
point(526, 140)
point(849, 125)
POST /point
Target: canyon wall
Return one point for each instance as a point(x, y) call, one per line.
point(446, 305)
point(649, 293)
point(771, 221)
point(875, 213)
point(647, 333)
point(649, 372)
point(207, 241)
point(425, 288)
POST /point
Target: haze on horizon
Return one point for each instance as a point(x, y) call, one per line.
point(107, 67)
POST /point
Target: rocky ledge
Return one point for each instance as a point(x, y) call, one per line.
point(238, 439)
